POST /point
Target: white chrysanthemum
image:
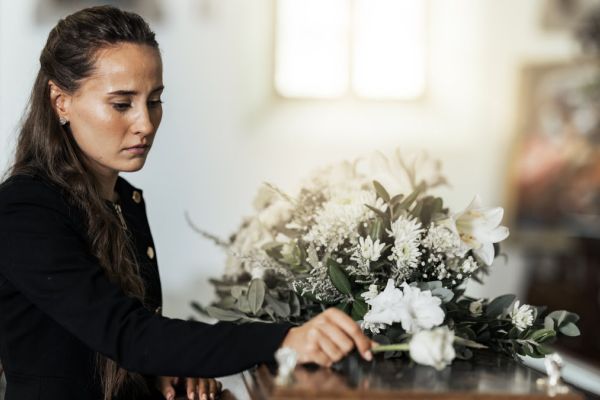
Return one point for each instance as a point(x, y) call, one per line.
point(406, 232)
point(442, 239)
point(364, 253)
point(406, 228)
point(340, 216)
point(522, 316)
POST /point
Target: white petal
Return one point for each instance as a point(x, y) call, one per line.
point(475, 203)
point(486, 253)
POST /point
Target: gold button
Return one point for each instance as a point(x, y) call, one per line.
point(157, 311)
point(137, 197)
point(150, 252)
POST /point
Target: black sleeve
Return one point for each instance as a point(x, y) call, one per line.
point(47, 261)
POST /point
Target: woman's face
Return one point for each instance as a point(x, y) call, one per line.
point(117, 107)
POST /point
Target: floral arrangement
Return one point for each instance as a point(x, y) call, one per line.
point(396, 263)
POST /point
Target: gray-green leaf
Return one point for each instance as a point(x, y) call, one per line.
point(223, 315)
point(256, 294)
point(569, 329)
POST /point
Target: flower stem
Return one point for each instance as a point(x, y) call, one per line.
point(390, 347)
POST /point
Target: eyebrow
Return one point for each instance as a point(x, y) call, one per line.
point(134, 92)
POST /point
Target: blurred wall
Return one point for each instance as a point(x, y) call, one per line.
point(224, 132)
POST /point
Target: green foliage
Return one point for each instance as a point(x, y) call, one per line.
point(338, 277)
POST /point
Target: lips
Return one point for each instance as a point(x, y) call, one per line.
point(139, 146)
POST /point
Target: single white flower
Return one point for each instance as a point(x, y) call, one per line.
point(479, 228)
point(522, 316)
point(406, 232)
point(386, 307)
point(476, 308)
point(369, 250)
point(423, 310)
point(373, 291)
point(414, 309)
point(433, 347)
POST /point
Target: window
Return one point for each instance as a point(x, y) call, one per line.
point(370, 48)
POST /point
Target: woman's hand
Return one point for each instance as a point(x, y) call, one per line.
point(327, 338)
point(207, 389)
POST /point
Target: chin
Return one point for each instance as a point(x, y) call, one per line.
point(133, 166)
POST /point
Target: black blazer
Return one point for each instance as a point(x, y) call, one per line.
point(57, 307)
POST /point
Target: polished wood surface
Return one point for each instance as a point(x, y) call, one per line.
point(486, 376)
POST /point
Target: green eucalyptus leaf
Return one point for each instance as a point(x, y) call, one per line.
point(280, 308)
point(499, 305)
point(256, 294)
point(569, 329)
point(294, 305)
point(224, 315)
point(237, 291)
point(338, 277)
point(243, 304)
point(443, 293)
point(549, 323)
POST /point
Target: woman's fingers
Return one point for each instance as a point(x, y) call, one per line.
point(213, 388)
point(190, 387)
point(165, 385)
point(327, 345)
point(337, 336)
point(351, 328)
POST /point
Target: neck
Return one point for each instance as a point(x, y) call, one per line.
point(107, 182)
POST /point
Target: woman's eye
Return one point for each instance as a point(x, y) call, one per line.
point(155, 103)
point(121, 106)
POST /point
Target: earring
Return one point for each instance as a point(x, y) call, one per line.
point(62, 120)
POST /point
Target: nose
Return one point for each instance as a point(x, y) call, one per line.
point(144, 124)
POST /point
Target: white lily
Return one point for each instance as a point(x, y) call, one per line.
point(479, 228)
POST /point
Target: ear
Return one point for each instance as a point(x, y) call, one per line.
point(60, 100)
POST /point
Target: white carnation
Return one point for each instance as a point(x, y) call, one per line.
point(414, 309)
point(522, 316)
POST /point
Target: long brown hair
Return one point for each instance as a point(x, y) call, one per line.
point(47, 148)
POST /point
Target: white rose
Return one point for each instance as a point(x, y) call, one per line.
point(476, 308)
point(434, 347)
point(258, 272)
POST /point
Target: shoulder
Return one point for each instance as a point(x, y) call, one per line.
point(29, 188)
point(27, 199)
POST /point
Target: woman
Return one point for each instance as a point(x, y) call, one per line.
point(80, 295)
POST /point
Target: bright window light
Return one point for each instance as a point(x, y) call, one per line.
point(328, 48)
point(389, 48)
point(311, 48)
